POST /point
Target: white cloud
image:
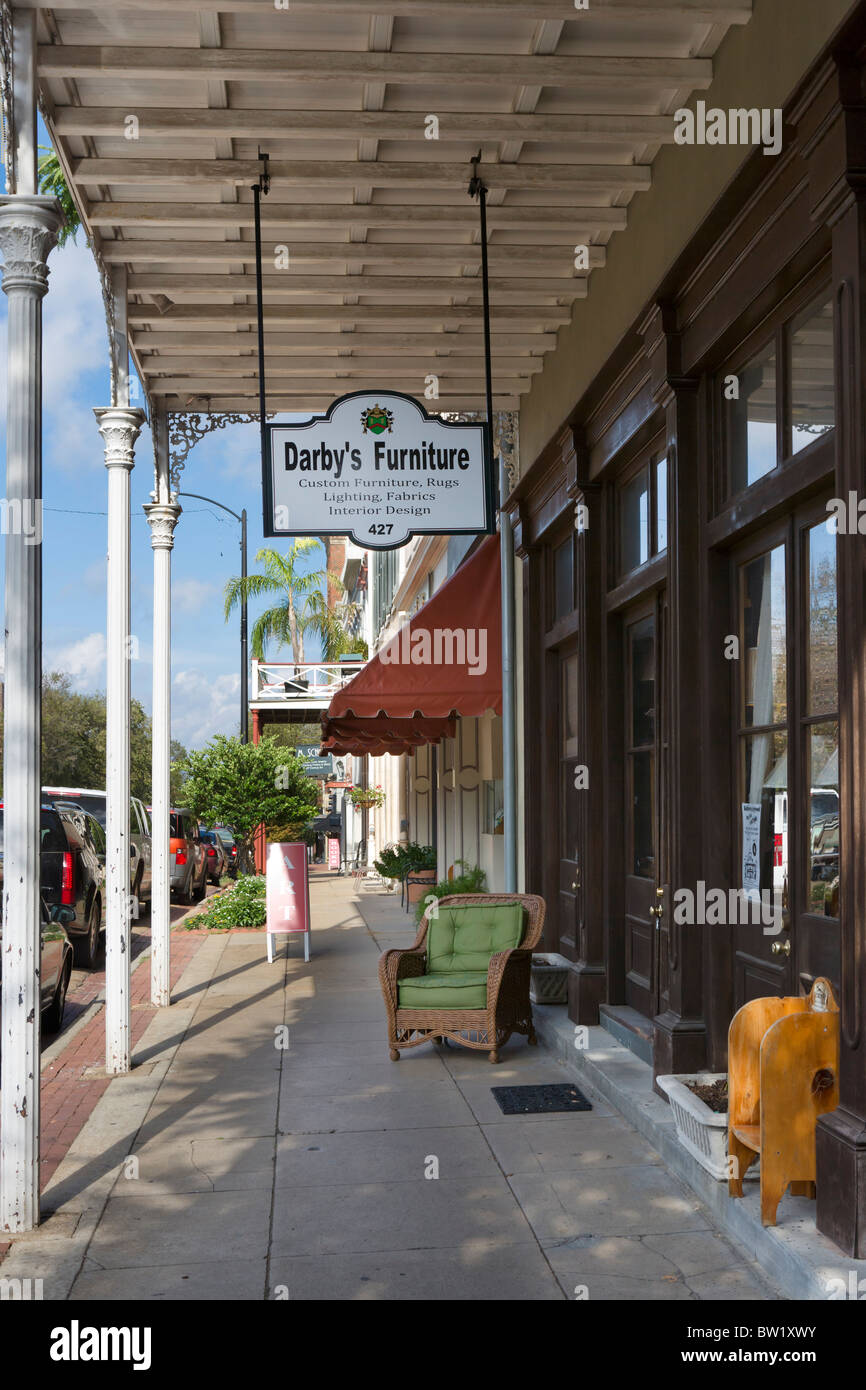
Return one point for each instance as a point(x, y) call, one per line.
point(83, 661)
point(192, 595)
point(203, 705)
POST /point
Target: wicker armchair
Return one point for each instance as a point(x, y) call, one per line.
point(507, 1010)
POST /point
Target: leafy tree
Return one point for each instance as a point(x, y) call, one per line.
point(178, 755)
point(245, 785)
point(53, 182)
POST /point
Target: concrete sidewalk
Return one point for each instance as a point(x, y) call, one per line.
point(228, 1165)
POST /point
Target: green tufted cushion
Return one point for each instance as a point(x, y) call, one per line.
point(452, 989)
point(464, 938)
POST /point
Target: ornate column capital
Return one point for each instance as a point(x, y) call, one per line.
point(162, 517)
point(29, 224)
point(120, 426)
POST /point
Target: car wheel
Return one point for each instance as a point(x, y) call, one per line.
point(88, 946)
point(184, 895)
point(201, 891)
point(52, 1019)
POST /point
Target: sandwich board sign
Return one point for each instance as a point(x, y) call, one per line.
point(287, 894)
point(376, 467)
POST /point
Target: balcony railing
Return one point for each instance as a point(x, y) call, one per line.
point(311, 683)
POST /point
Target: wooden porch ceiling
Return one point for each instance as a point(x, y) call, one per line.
point(158, 108)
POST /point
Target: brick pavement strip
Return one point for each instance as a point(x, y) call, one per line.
point(68, 1096)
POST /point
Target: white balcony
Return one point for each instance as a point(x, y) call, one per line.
point(305, 686)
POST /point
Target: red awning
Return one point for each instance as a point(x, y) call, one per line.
point(446, 661)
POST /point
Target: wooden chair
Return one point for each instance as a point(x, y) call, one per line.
point(498, 992)
point(783, 1072)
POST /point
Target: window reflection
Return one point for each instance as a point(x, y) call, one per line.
point(824, 819)
point(811, 367)
point(764, 639)
point(765, 784)
point(751, 420)
point(823, 686)
point(635, 522)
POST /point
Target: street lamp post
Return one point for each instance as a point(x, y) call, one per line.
point(245, 703)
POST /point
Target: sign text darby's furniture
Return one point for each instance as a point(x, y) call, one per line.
point(378, 468)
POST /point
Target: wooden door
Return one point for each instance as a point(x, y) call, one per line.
point(644, 766)
point(786, 758)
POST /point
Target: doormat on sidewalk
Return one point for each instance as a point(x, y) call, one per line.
point(539, 1100)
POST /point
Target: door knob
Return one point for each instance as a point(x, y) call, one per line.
point(781, 948)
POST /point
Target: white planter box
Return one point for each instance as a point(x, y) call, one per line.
point(699, 1129)
point(548, 981)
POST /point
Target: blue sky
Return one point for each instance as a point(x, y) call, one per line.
point(225, 465)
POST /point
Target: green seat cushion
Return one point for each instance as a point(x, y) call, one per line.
point(450, 989)
point(464, 938)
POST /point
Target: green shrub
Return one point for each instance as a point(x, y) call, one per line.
point(472, 880)
point(396, 861)
point(243, 905)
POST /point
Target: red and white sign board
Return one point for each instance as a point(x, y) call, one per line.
point(287, 894)
point(333, 854)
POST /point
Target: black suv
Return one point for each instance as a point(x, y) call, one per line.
point(73, 874)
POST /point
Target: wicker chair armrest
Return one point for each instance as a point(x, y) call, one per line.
point(515, 961)
point(397, 964)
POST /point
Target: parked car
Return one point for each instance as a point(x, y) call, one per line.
point(71, 876)
point(141, 852)
point(81, 881)
point(55, 967)
point(217, 862)
point(230, 846)
point(187, 857)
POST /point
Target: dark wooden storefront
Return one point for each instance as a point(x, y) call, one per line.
point(695, 637)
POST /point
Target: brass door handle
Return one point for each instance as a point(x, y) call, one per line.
point(576, 884)
point(781, 948)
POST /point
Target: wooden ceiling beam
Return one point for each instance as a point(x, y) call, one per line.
point(181, 123)
point(580, 71)
point(608, 179)
point(519, 217)
point(697, 11)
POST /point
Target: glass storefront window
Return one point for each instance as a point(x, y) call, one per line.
point(751, 423)
point(812, 394)
point(563, 579)
point(764, 640)
point(765, 784)
point(643, 682)
point(824, 819)
point(568, 713)
point(823, 681)
point(635, 522)
point(661, 505)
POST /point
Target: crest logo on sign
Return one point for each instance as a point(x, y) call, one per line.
point(377, 420)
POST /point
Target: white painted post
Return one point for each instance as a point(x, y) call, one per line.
point(119, 427)
point(28, 230)
point(162, 515)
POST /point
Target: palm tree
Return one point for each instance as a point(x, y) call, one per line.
point(302, 606)
point(52, 180)
point(333, 629)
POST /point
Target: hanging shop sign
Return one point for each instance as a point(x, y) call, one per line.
point(378, 468)
point(315, 765)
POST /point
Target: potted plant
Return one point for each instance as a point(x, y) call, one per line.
point(366, 798)
point(699, 1101)
point(420, 861)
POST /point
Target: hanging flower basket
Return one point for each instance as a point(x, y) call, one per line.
point(366, 798)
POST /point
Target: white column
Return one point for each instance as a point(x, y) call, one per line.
point(162, 518)
point(119, 427)
point(28, 231)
